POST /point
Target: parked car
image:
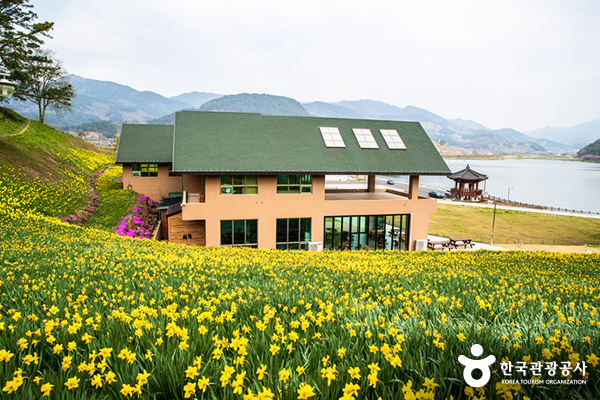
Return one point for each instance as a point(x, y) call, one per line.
point(390, 182)
point(436, 194)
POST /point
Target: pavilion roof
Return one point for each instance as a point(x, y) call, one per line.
point(467, 174)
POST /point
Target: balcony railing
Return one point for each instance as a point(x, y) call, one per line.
point(465, 193)
point(192, 198)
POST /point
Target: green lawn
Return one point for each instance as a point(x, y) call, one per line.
point(512, 226)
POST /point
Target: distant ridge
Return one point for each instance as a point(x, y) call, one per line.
point(576, 136)
point(108, 101)
point(196, 99)
point(265, 104)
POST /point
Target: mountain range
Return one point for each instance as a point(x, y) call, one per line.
point(109, 101)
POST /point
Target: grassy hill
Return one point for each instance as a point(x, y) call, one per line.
point(42, 169)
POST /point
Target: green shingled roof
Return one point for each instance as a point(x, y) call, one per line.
point(145, 143)
point(219, 142)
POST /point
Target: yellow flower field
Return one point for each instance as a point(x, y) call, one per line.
point(87, 314)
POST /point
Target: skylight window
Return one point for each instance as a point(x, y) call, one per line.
point(332, 137)
point(365, 138)
point(392, 139)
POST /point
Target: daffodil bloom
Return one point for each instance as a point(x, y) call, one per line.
point(66, 362)
point(203, 383)
point(430, 384)
point(142, 377)
point(5, 355)
point(127, 390)
point(86, 338)
point(191, 372)
point(110, 377)
point(396, 361)
point(72, 383)
point(354, 373)
point(13, 385)
point(284, 375)
point(105, 352)
point(46, 388)
point(97, 381)
point(274, 349)
point(305, 391)
point(28, 359)
point(189, 389)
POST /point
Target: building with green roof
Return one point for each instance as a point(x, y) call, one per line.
point(256, 180)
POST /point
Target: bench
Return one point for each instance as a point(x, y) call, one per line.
point(438, 245)
point(456, 242)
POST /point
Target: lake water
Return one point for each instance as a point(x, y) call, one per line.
point(565, 184)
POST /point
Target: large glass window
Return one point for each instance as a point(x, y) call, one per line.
point(239, 232)
point(144, 170)
point(367, 232)
point(294, 184)
point(239, 184)
point(293, 233)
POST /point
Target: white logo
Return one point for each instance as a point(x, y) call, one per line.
point(483, 365)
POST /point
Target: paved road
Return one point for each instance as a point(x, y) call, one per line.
point(524, 209)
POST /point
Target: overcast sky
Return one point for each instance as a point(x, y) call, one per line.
point(511, 63)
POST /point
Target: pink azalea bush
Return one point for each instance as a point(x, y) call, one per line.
point(140, 229)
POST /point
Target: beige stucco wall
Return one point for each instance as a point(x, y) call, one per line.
point(154, 187)
point(267, 206)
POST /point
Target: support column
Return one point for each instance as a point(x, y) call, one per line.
point(371, 183)
point(413, 187)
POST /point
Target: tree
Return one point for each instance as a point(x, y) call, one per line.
point(19, 36)
point(45, 83)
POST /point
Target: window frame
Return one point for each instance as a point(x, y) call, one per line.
point(392, 139)
point(239, 184)
point(353, 232)
point(284, 188)
point(146, 170)
point(332, 137)
point(287, 244)
point(365, 138)
point(246, 235)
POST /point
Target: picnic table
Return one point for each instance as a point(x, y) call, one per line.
point(438, 244)
point(455, 242)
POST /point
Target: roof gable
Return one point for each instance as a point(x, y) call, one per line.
point(468, 174)
point(145, 143)
point(216, 142)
